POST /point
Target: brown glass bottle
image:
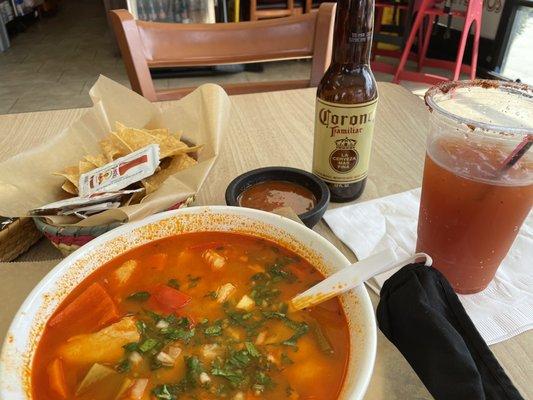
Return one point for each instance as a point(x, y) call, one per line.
point(346, 103)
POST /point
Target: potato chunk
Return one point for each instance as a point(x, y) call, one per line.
point(215, 260)
point(245, 303)
point(104, 346)
point(306, 367)
point(224, 292)
point(123, 273)
point(210, 351)
point(96, 375)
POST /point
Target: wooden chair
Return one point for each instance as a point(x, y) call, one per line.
point(313, 5)
point(272, 9)
point(146, 45)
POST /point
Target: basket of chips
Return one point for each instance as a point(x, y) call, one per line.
point(123, 160)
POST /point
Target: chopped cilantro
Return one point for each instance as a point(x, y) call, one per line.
point(174, 283)
point(173, 391)
point(214, 330)
point(239, 359)
point(278, 273)
point(141, 327)
point(263, 292)
point(164, 392)
point(124, 366)
point(131, 347)
point(184, 335)
point(262, 381)
point(193, 281)
point(299, 328)
point(148, 345)
point(285, 359)
point(194, 369)
point(252, 350)
point(212, 294)
point(138, 296)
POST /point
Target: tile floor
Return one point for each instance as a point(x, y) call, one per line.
point(53, 64)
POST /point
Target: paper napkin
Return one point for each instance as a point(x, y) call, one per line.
point(504, 309)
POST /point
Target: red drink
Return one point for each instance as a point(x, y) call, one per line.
point(467, 221)
point(478, 178)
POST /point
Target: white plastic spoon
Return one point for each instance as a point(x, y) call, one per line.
point(352, 276)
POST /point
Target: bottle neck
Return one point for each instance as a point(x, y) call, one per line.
point(354, 24)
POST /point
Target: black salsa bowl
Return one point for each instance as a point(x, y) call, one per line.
point(287, 174)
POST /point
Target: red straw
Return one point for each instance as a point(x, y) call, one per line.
point(518, 152)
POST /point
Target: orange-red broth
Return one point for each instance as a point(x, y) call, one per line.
point(227, 357)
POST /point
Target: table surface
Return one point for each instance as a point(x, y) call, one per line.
point(276, 128)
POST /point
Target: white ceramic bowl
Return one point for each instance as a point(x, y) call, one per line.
point(26, 329)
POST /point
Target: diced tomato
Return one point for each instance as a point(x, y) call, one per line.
point(56, 378)
point(93, 308)
point(168, 299)
point(157, 261)
point(205, 246)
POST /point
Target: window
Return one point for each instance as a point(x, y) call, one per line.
point(514, 42)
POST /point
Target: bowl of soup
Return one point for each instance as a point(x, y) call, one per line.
point(189, 304)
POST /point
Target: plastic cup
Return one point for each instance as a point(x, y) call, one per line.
point(473, 201)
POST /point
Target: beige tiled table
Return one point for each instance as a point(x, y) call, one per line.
point(277, 129)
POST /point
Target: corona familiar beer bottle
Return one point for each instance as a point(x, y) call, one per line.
point(346, 104)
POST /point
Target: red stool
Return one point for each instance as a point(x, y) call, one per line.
point(428, 10)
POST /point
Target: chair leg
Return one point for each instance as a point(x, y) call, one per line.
point(427, 38)
point(290, 6)
point(475, 48)
point(253, 10)
point(410, 40)
point(461, 50)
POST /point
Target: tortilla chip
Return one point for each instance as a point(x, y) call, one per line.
point(118, 139)
point(177, 135)
point(124, 140)
point(98, 161)
point(183, 150)
point(168, 143)
point(85, 166)
point(113, 148)
point(158, 131)
point(119, 126)
point(71, 174)
point(175, 165)
point(134, 139)
point(69, 188)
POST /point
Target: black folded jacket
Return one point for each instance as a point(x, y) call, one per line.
point(422, 316)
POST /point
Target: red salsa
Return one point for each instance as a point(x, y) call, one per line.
point(270, 195)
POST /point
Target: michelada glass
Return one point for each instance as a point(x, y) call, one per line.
point(478, 177)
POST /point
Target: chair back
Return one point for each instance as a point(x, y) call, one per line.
point(146, 45)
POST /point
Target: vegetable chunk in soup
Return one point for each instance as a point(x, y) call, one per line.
point(195, 316)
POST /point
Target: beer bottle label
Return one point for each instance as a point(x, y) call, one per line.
point(343, 140)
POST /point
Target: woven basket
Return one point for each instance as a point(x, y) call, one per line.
point(16, 238)
point(70, 238)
